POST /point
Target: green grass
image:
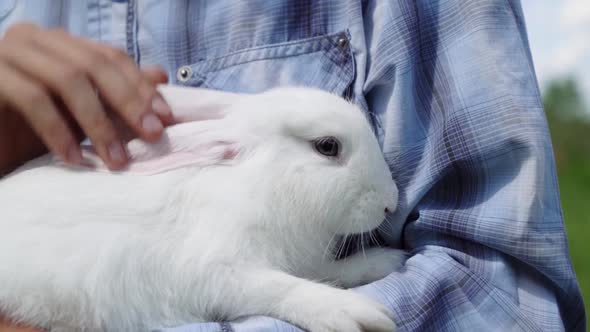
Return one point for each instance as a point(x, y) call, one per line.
point(574, 183)
point(569, 124)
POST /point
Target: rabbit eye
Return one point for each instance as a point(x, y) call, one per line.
point(328, 146)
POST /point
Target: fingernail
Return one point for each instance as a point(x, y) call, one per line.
point(160, 107)
point(151, 123)
point(74, 155)
point(116, 152)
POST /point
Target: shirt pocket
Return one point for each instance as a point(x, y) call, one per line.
point(325, 62)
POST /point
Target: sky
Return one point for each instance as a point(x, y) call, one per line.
point(559, 37)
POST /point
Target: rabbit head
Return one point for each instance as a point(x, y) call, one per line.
point(301, 155)
point(310, 157)
point(307, 155)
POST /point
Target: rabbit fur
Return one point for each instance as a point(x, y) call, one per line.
point(232, 213)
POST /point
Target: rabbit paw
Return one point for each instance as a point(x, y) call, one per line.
point(349, 312)
point(365, 267)
point(380, 262)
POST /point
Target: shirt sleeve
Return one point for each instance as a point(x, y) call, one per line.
point(453, 93)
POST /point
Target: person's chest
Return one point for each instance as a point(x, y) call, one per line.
point(239, 46)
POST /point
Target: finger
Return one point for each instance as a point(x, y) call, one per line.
point(74, 89)
point(21, 31)
point(37, 107)
point(146, 88)
point(155, 75)
point(118, 92)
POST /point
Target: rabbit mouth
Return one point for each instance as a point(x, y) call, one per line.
point(347, 245)
point(368, 214)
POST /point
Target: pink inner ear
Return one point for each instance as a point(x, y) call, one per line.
point(230, 153)
point(200, 156)
point(165, 156)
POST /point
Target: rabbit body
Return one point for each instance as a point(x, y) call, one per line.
point(239, 232)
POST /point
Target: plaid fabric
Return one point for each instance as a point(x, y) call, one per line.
point(452, 93)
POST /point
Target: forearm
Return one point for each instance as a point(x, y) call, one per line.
point(18, 143)
point(483, 187)
point(7, 326)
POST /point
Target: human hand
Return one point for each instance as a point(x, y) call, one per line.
point(57, 89)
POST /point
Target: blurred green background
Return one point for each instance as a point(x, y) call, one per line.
point(558, 34)
point(569, 123)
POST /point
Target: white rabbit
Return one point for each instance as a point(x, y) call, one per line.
point(231, 214)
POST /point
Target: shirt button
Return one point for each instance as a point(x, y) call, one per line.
point(184, 73)
point(342, 41)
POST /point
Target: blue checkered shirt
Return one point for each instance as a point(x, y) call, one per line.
point(451, 90)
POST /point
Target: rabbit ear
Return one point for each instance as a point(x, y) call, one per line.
point(190, 143)
point(183, 145)
point(193, 141)
point(197, 104)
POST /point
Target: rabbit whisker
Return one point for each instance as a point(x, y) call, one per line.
point(363, 247)
point(386, 231)
point(330, 243)
point(341, 246)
